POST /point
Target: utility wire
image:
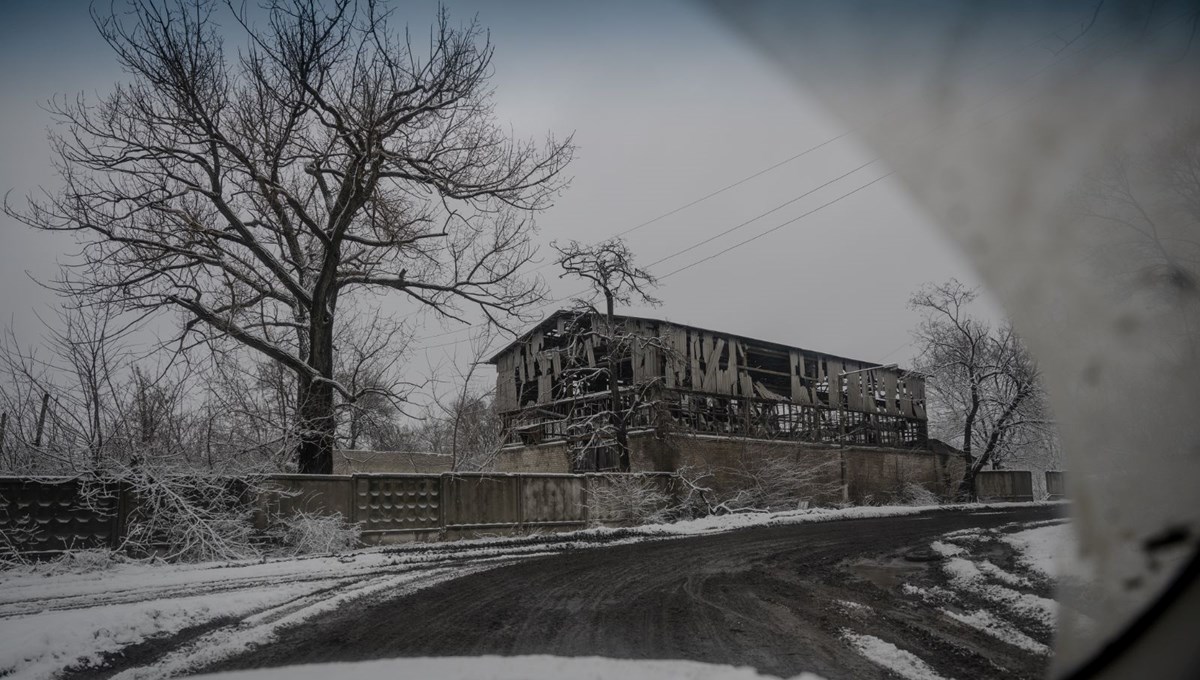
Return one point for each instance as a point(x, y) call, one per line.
point(777, 208)
point(777, 227)
point(738, 183)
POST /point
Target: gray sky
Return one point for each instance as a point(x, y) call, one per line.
point(666, 105)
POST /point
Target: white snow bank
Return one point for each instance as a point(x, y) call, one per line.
point(41, 645)
point(719, 523)
point(507, 668)
point(882, 653)
point(1052, 551)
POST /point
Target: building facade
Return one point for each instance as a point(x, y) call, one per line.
point(553, 387)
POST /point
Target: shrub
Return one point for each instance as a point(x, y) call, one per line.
point(305, 533)
point(627, 498)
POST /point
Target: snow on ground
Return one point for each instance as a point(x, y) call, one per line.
point(719, 523)
point(1002, 576)
point(1042, 548)
point(853, 608)
point(1051, 550)
point(966, 575)
point(999, 628)
point(507, 668)
point(54, 620)
point(262, 627)
point(931, 594)
point(903, 663)
point(947, 549)
point(40, 645)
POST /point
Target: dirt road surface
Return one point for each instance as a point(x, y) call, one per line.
point(779, 599)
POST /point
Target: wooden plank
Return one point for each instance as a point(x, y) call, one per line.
point(854, 392)
point(890, 391)
point(833, 371)
point(918, 389)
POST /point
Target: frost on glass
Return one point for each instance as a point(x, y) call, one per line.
point(1059, 148)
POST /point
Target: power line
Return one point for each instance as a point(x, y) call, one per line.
point(734, 185)
point(777, 227)
point(760, 215)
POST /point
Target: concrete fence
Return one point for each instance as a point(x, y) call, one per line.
point(1056, 485)
point(46, 515)
point(1004, 485)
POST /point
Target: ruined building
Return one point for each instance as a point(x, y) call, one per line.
point(696, 397)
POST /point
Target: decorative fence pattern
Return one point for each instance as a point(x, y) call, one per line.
point(51, 515)
point(44, 515)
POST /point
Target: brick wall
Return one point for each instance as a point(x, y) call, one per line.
point(542, 458)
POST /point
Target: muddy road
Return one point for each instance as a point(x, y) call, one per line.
point(779, 599)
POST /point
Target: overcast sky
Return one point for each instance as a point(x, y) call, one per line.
point(666, 106)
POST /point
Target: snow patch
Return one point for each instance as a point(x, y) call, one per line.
point(42, 645)
point(965, 575)
point(507, 668)
point(1003, 576)
point(999, 629)
point(1051, 550)
point(853, 607)
point(263, 626)
point(930, 594)
point(947, 549)
point(885, 654)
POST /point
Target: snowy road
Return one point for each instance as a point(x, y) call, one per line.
point(823, 590)
point(839, 599)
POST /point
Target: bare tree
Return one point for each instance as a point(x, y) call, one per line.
point(609, 271)
point(369, 357)
point(255, 191)
point(62, 405)
point(984, 385)
point(466, 416)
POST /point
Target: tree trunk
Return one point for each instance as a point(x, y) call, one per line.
point(316, 422)
point(314, 402)
point(966, 488)
point(618, 418)
point(989, 451)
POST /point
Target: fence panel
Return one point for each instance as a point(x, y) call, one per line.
point(388, 507)
point(481, 500)
point(319, 494)
point(397, 502)
point(1004, 485)
point(1056, 485)
point(51, 514)
point(553, 499)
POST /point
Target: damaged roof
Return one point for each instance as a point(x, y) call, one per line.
point(524, 337)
